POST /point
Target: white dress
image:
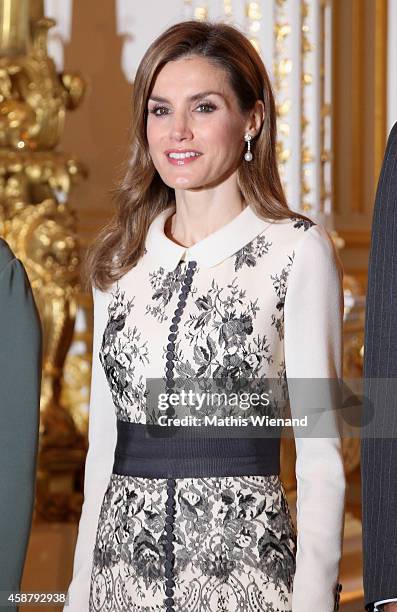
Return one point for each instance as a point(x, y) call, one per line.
point(258, 298)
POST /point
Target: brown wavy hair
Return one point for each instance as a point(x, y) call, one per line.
point(141, 194)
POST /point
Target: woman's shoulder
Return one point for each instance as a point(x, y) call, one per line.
point(308, 229)
point(288, 232)
point(306, 240)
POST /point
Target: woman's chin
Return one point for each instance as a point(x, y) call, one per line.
point(182, 182)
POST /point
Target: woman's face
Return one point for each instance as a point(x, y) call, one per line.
point(184, 116)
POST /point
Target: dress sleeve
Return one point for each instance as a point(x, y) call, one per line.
point(102, 433)
point(20, 377)
point(313, 345)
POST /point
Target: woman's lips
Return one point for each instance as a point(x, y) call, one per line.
point(182, 162)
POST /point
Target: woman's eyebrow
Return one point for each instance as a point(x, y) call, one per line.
point(196, 96)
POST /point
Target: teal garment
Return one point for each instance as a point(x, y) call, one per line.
point(20, 380)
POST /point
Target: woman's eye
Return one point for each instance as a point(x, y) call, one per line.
point(157, 108)
point(206, 105)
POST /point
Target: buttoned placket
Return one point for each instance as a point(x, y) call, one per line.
point(338, 589)
point(170, 412)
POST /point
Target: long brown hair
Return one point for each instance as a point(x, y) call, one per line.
point(142, 194)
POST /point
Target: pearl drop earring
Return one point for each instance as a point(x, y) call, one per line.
point(248, 154)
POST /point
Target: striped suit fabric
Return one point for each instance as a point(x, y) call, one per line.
point(379, 439)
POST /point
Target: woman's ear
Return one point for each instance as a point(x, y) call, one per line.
point(256, 118)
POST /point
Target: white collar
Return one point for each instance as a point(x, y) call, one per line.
point(211, 250)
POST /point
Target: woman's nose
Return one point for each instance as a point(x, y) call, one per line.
point(180, 125)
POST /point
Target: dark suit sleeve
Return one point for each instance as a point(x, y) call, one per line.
point(20, 377)
point(379, 441)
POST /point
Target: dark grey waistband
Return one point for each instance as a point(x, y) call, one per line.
point(146, 451)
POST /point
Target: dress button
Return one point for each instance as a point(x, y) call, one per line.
point(169, 374)
point(169, 592)
point(182, 303)
point(178, 311)
point(170, 583)
point(172, 337)
point(169, 528)
point(170, 354)
point(170, 347)
point(192, 264)
point(169, 364)
point(169, 519)
point(173, 328)
point(169, 601)
point(176, 319)
point(168, 565)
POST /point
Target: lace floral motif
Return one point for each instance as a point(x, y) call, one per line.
point(251, 252)
point(165, 285)
point(121, 347)
point(235, 545)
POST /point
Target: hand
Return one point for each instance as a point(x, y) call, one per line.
point(390, 607)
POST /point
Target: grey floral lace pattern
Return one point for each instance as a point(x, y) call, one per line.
point(251, 252)
point(164, 285)
point(121, 347)
point(280, 282)
point(225, 351)
point(235, 546)
point(305, 223)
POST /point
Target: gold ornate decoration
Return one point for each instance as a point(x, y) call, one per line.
point(282, 66)
point(75, 392)
point(307, 155)
point(253, 16)
point(325, 37)
point(228, 11)
point(201, 11)
point(35, 181)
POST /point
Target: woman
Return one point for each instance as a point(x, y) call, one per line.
point(206, 273)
